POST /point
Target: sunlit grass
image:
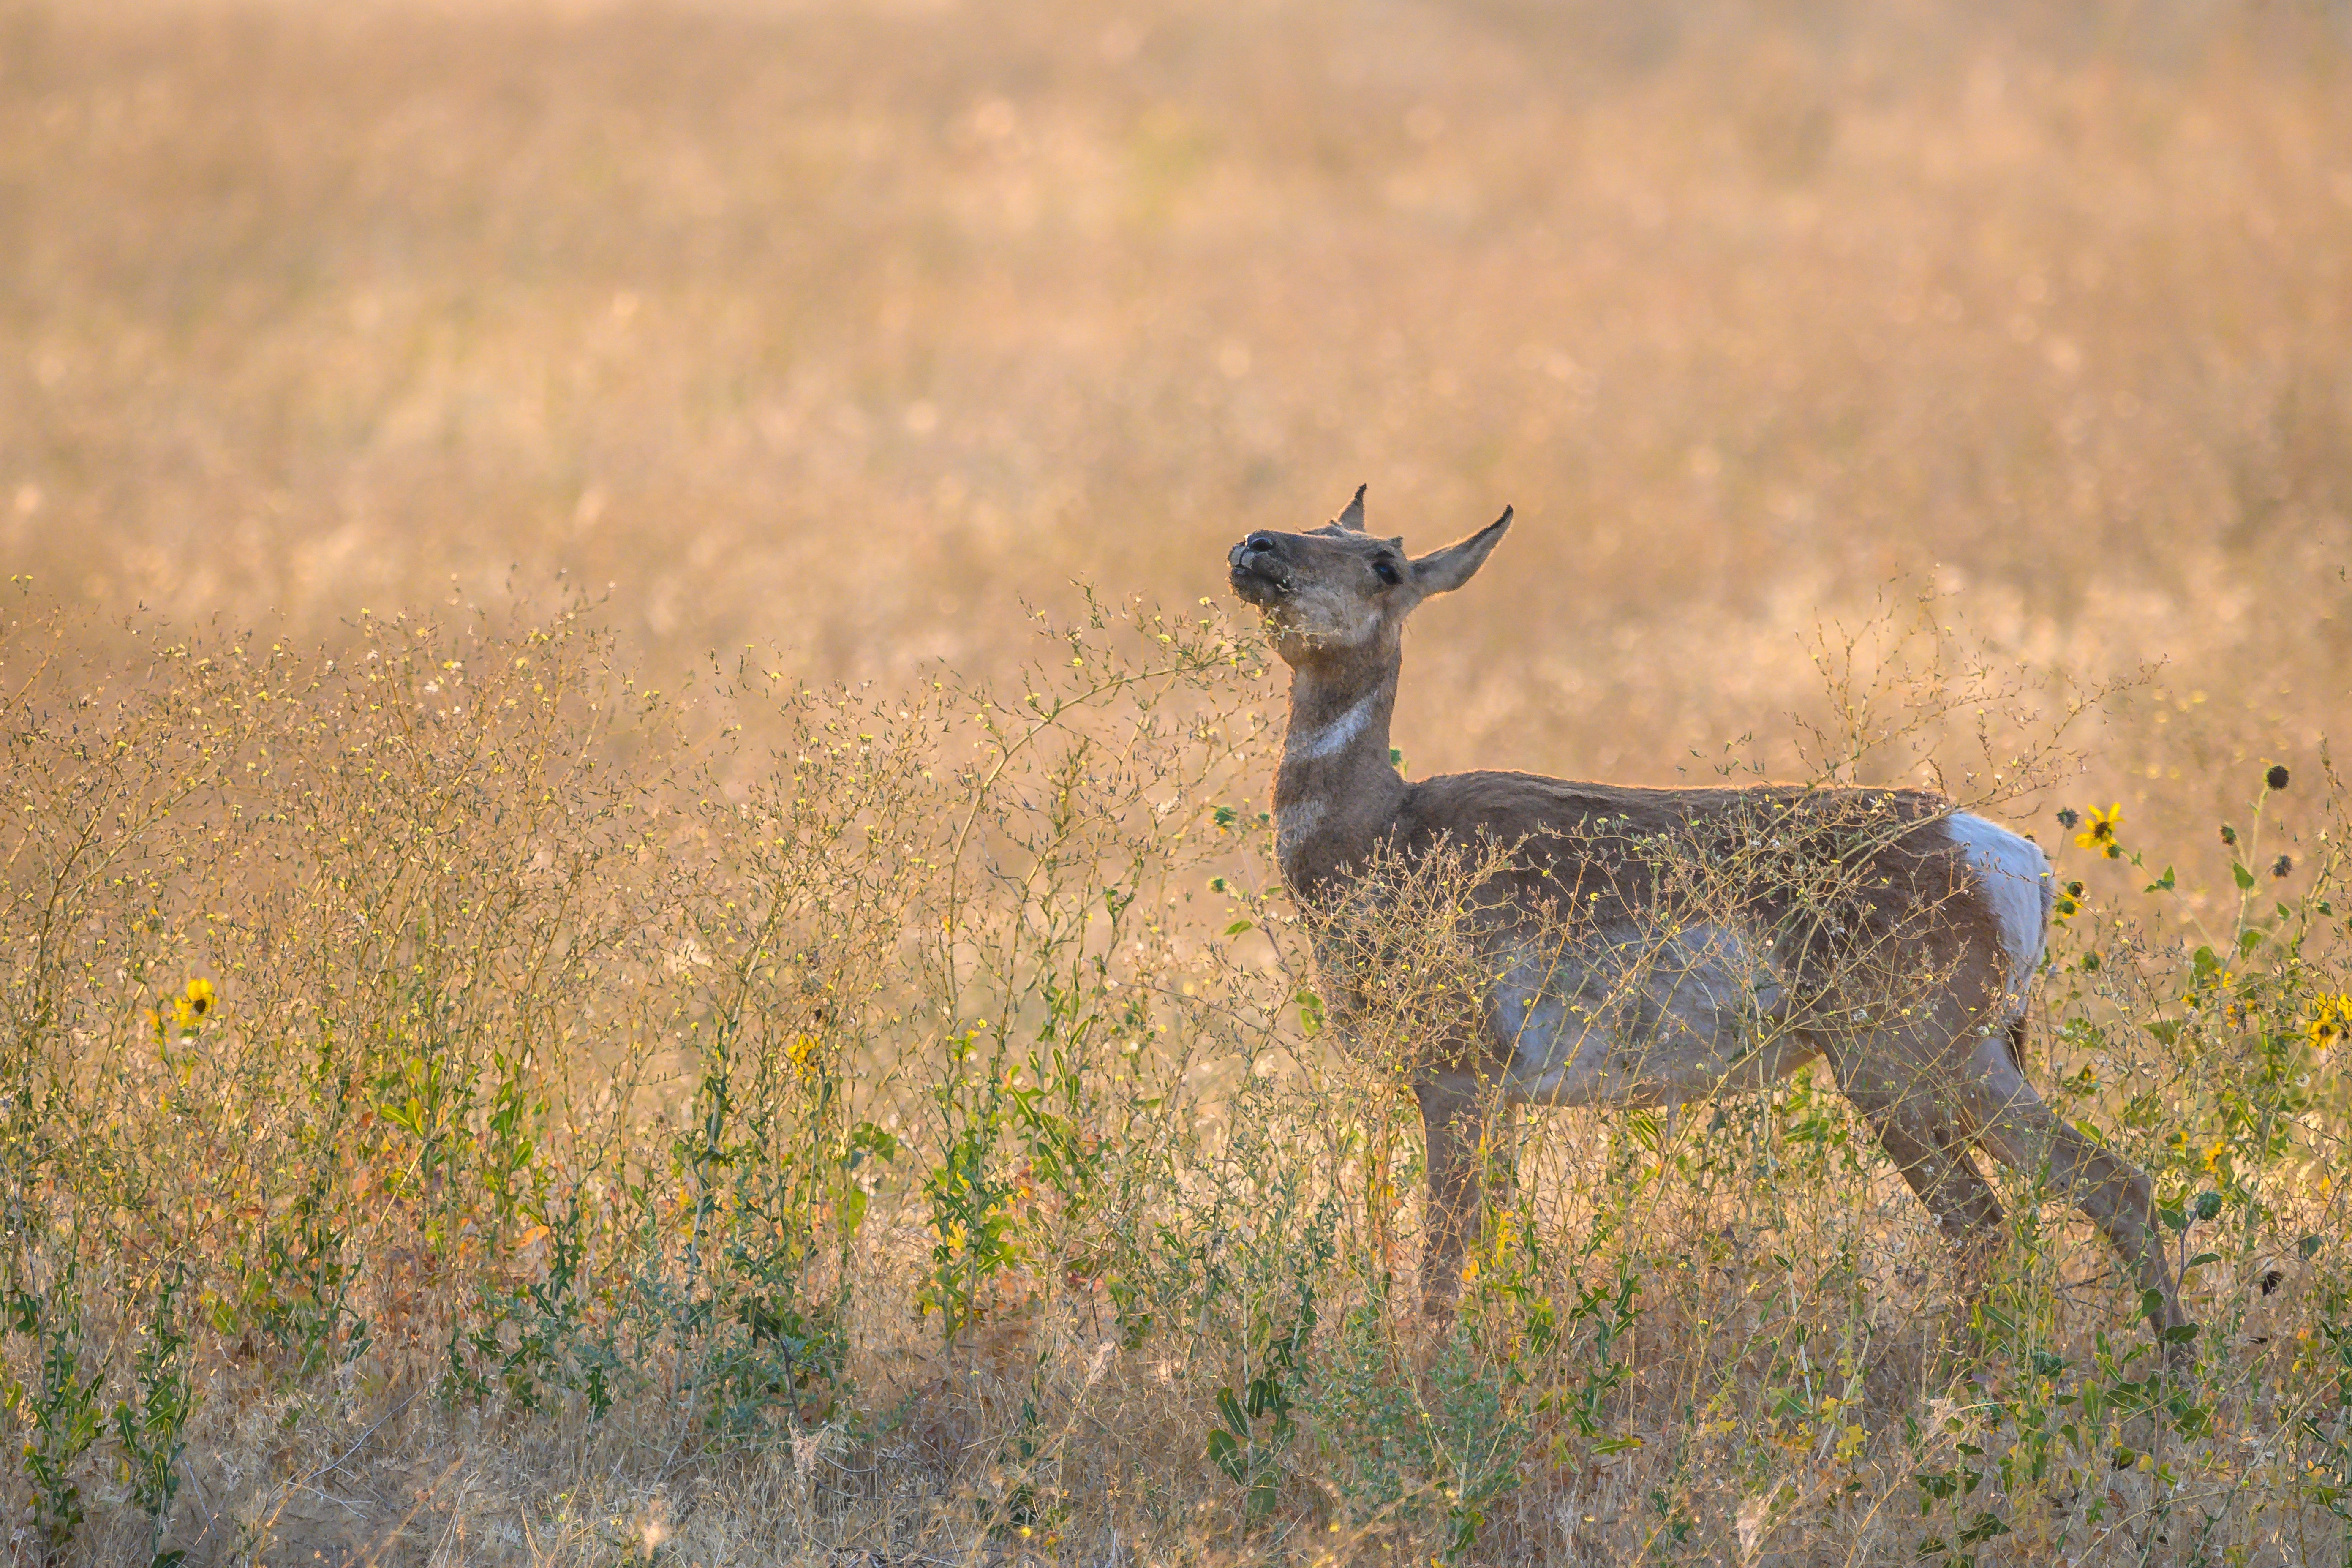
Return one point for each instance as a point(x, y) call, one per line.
point(564, 1081)
point(425, 1051)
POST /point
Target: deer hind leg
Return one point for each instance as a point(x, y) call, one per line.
point(1933, 1159)
point(1892, 1080)
point(1455, 1119)
point(2116, 1195)
point(1918, 1118)
point(1938, 1167)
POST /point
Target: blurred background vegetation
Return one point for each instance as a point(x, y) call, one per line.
point(842, 329)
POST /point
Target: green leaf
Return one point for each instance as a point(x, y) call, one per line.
point(1984, 1529)
point(1396, 758)
point(1239, 926)
point(2201, 1260)
point(2308, 1245)
point(868, 1138)
point(1226, 1454)
point(2243, 877)
point(1231, 1409)
point(1310, 1012)
point(2162, 884)
point(2179, 1334)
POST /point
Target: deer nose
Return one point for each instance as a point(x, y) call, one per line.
point(1259, 541)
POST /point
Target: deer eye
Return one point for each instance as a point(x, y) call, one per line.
point(1388, 572)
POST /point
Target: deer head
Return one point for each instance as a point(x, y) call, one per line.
point(1339, 592)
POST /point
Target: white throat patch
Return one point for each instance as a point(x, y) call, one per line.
point(1332, 738)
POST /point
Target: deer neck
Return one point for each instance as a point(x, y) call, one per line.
point(1337, 793)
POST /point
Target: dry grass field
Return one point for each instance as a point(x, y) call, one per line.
point(610, 957)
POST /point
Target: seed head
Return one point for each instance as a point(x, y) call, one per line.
point(2068, 816)
point(2282, 866)
point(2229, 834)
point(2276, 778)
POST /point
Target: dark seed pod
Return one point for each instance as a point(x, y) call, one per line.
point(2276, 778)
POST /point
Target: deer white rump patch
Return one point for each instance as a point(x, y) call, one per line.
point(1332, 738)
point(2015, 877)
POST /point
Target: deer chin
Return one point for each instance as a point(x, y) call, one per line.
point(1304, 640)
point(1306, 622)
point(1258, 588)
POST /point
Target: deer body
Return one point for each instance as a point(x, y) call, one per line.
point(1600, 984)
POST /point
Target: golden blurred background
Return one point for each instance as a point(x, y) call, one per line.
point(848, 328)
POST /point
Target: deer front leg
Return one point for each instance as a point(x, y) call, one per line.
point(1455, 1121)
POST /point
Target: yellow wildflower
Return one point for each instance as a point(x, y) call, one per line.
point(2331, 1020)
point(2099, 832)
point(802, 1054)
point(189, 1008)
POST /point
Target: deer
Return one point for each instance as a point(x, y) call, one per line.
point(1911, 976)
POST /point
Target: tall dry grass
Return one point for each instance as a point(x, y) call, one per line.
point(586, 1141)
point(459, 1111)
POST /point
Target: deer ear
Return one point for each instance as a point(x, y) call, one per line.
point(1352, 520)
point(1443, 571)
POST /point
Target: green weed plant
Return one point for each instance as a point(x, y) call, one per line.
point(448, 1028)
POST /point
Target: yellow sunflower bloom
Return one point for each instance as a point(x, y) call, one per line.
point(2331, 1021)
point(2099, 832)
point(191, 1007)
point(802, 1054)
